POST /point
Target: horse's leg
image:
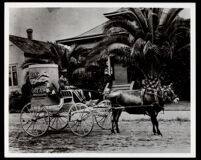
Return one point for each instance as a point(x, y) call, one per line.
point(153, 123)
point(115, 118)
point(150, 113)
point(119, 111)
point(157, 127)
point(114, 114)
point(156, 124)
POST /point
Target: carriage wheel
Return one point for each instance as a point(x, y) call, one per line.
point(58, 121)
point(34, 120)
point(80, 119)
point(103, 116)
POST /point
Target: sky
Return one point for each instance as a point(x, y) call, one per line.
point(51, 24)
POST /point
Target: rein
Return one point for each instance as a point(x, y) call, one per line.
point(155, 95)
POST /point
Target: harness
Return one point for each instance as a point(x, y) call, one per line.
point(155, 93)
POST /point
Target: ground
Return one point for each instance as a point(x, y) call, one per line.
point(135, 136)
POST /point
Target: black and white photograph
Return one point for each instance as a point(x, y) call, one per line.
point(99, 80)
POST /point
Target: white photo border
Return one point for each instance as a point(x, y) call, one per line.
point(9, 5)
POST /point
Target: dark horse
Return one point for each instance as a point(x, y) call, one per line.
point(134, 102)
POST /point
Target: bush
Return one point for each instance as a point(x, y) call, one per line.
point(15, 102)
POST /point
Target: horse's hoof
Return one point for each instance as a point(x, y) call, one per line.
point(160, 134)
point(112, 133)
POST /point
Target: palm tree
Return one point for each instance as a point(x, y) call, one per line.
point(148, 44)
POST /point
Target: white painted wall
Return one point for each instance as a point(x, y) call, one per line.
point(16, 57)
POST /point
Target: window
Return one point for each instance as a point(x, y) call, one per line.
point(13, 75)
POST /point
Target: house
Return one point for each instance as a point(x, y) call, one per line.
point(16, 73)
point(16, 59)
point(90, 38)
point(19, 48)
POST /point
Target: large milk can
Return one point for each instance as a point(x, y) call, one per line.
point(40, 76)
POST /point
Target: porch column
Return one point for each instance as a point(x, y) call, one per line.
point(109, 67)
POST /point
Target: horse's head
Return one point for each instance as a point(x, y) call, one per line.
point(168, 94)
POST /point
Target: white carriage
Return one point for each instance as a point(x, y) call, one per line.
point(43, 112)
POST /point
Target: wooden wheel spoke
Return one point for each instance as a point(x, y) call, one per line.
point(35, 129)
point(79, 120)
point(82, 128)
point(101, 119)
point(74, 124)
point(86, 123)
point(62, 119)
point(29, 125)
point(35, 120)
point(53, 121)
point(78, 124)
point(85, 117)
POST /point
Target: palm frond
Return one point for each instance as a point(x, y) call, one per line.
point(117, 49)
point(124, 39)
point(147, 47)
point(56, 55)
point(166, 50)
point(101, 56)
point(80, 51)
point(121, 54)
point(182, 30)
point(170, 17)
point(159, 12)
point(123, 23)
point(120, 49)
point(183, 48)
point(153, 20)
point(140, 18)
point(137, 47)
point(108, 41)
point(117, 46)
point(73, 61)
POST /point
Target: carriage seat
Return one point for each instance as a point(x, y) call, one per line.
point(66, 93)
point(57, 107)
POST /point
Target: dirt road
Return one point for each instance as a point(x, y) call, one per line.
point(135, 137)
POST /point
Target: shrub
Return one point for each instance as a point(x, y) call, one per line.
point(15, 102)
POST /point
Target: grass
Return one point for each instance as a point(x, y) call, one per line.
point(181, 106)
point(179, 119)
point(182, 119)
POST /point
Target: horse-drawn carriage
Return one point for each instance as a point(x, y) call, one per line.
point(44, 112)
point(38, 118)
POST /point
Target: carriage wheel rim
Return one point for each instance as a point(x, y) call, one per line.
point(33, 122)
point(55, 121)
point(105, 121)
point(76, 124)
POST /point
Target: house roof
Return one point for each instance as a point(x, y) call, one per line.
point(122, 12)
point(30, 46)
point(96, 32)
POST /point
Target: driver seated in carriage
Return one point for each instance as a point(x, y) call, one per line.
point(53, 92)
point(78, 94)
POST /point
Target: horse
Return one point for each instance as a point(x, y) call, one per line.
point(141, 102)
